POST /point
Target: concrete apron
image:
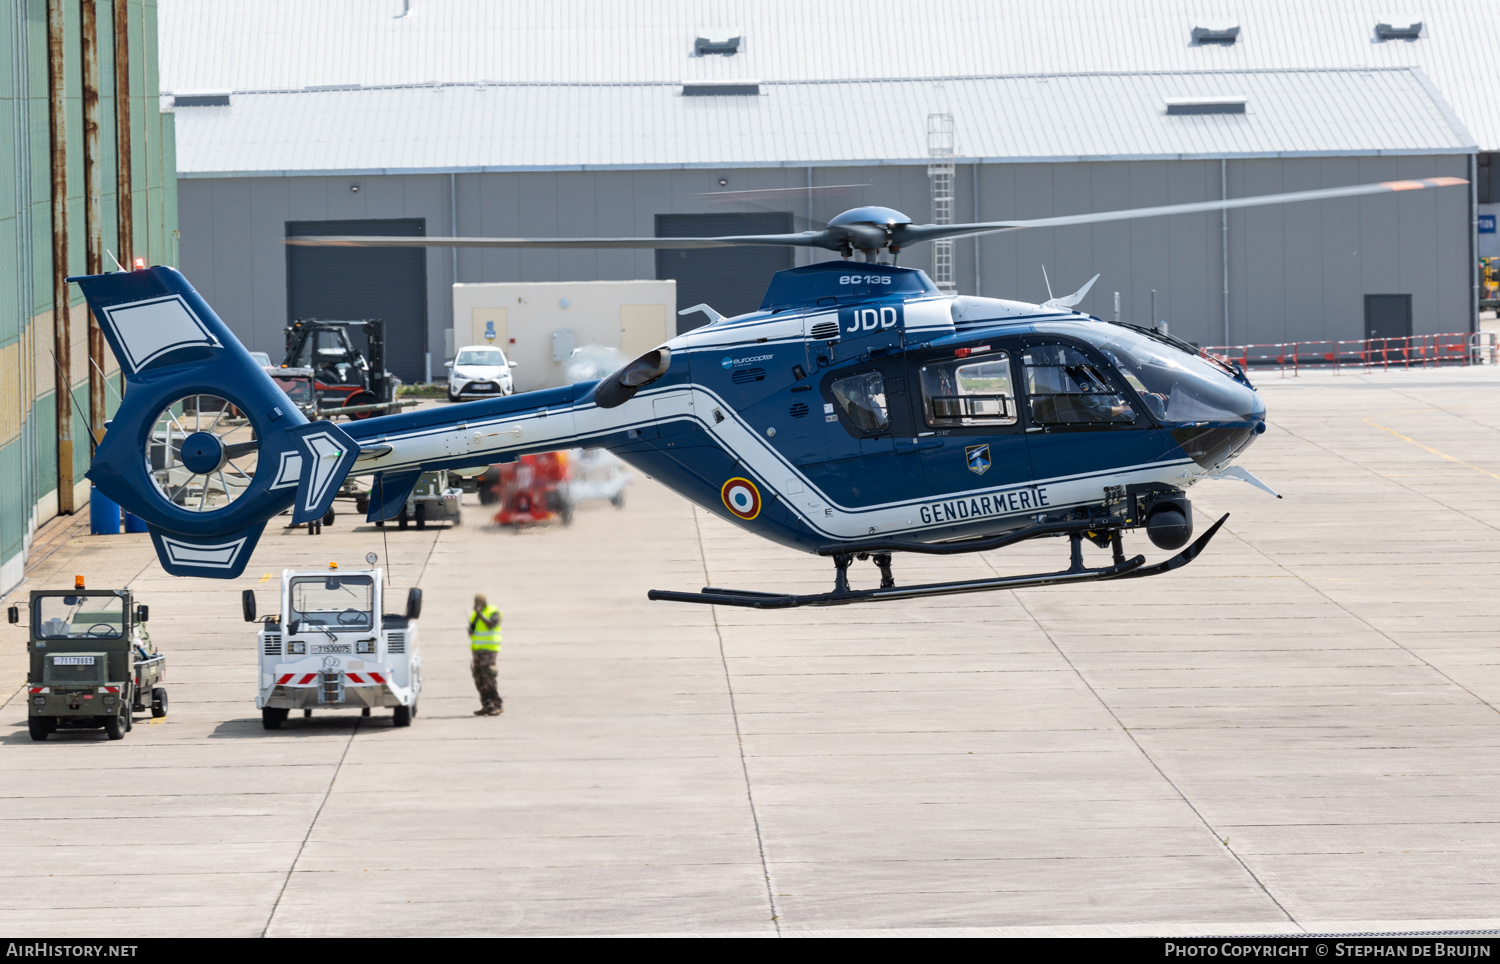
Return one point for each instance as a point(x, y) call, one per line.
point(1295, 733)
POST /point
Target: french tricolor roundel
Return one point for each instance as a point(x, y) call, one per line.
point(741, 497)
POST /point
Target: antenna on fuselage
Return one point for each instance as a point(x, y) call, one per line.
point(1071, 300)
point(713, 316)
point(1050, 296)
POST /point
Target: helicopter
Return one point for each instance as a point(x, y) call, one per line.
point(857, 414)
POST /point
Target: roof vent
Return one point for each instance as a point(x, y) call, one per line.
point(201, 100)
point(1399, 28)
point(738, 88)
point(1221, 32)
point(1206, 105)
point(716, 43)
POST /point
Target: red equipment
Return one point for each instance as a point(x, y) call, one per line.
point(534, 489)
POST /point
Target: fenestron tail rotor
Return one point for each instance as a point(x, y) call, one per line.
point(202, 453)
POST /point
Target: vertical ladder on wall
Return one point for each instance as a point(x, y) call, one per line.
point(940, 148)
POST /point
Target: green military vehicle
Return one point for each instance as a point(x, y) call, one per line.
point(92, 662)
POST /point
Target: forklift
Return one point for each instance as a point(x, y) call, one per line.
point(345, 381)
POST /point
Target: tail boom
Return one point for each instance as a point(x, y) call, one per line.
point(172, 347)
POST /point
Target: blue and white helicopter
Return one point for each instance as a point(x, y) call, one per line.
point(858, 413)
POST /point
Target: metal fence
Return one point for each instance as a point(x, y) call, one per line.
point(1367, 354)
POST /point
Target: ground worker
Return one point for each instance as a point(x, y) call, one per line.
point(484, 647)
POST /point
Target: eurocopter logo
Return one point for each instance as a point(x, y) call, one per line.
point(729, 361)
point(979, 458)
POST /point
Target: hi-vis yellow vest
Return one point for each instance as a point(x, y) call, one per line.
point(482, 636)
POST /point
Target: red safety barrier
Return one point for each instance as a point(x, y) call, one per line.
point(1366, 354)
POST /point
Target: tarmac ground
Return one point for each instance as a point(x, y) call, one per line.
point(1296, 733)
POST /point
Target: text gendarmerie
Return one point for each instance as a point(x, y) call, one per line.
point(980, 506)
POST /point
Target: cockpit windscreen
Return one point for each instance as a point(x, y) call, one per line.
point(1178, 387)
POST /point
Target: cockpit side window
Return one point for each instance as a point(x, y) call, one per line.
point(971, 391)
point(862, 397)
point(1065, 387)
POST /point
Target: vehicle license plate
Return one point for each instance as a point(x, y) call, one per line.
point(72, 661)
point(484, 386)
point(320, 648)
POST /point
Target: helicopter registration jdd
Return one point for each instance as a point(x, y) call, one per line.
point(330, 647)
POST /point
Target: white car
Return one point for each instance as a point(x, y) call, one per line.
point(479, 371)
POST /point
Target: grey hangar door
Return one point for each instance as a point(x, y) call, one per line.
point(732, 280)
point(352, 283)
point(1387, 316)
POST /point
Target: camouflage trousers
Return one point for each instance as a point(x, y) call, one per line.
point(486, 677)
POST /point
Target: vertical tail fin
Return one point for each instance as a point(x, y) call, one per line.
point(205, 446)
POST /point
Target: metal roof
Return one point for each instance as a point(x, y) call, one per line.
point(1056, 118)
point(472, 84)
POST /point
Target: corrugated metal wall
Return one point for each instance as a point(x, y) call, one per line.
point(29, 431)
point(1295, 272)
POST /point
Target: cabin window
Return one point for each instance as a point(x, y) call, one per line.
point(332, 602)
point(80, 617)
point(1066, 388)
point(972, 391)
point(862, 397)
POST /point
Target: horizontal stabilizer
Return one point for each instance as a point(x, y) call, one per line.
point(326, 454)
point(211, 557)
point(389, 493)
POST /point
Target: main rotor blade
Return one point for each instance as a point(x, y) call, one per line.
point(806, 239)
point(910, 234)
point(864, 236)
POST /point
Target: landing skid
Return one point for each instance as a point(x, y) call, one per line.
point(842, 595)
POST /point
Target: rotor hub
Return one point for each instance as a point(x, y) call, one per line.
point(203, 453)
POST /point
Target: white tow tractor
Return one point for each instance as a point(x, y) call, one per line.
point(331, 647)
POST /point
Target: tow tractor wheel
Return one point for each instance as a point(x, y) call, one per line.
point(402, 716)
point(38, 726)
point(307, 714)
point(113, 728)
point(159, 702)
point(328, 517)
point(271, 717)
point(421, 514)
point(361, 398)
point(402, 521)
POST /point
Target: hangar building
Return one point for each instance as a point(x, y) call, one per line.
point(86, 175)
point(667, 117)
